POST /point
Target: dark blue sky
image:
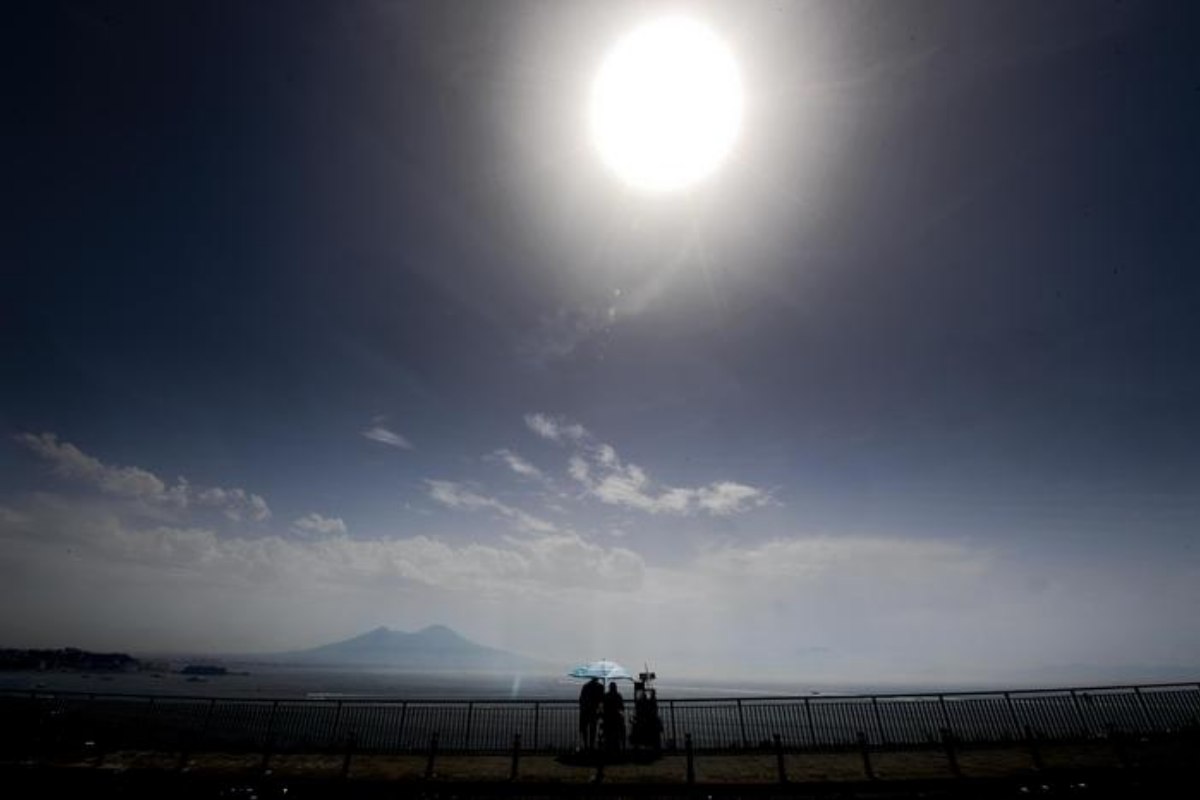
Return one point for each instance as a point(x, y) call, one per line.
point(928, 337)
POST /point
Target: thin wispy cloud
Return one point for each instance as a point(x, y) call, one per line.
point(599, 469)
point(517, 464)
point(314, 523)
point(456, 495)
point(135, 483)
point(378, 433)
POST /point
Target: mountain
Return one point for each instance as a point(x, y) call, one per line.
point(433, 648)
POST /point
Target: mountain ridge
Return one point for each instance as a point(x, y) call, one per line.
point(435, 646)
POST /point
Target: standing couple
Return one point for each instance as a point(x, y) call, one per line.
point(595, 706)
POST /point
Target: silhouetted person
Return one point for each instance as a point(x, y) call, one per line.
point(591, 698)
point(646, 728)
point(614, 719)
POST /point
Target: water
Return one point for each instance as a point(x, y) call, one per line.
point(274, 681)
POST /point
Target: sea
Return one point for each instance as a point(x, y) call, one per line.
point(273, 681)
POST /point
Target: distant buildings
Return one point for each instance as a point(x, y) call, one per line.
point(68, 659)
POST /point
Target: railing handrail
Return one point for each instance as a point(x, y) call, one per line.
point(43, 720)
point(464, 701)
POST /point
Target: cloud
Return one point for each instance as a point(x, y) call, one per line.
point(455, 495)
point(576, 562)
point(380, 434)
point(809, 608)
point(236, 504)
point(314, 523)
point(555, 429)
point(518, 464)
point(558, 560)
point(728, 497)
point(599, 469)
point(135, 483)
point(69, 461)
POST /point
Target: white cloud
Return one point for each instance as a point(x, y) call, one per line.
point(455, 495)
point(727, 497)
point(236, 504)
point(380, 434)
point(599, 469)
point(577, 468)
point(554, 429)
point(870, 608)
point(69, 461)
point(135, 483)
point(557, 560)
point(576, 562)
point(314, 523)
point(518, 464)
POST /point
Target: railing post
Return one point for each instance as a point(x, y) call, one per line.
point(780, 767)
point(1141, 701)
point(351, 740)
point(333, 728)
point(184, 741)
point(812, 727)
point(691, 766)
point(516, 757)
point(879, 720)
point(151, 713)
point(433, 748)
point(537, 708)
point(951, 753)
point(208, 715)
point(268, 737)
point(54, 740)
point(674, 726)
point(99, 743)
point(1012, 713)
point(742, 723)
point(1035, 752)
point(866, 755)
point(1117, 739)
point(945, 712)
point(400, 730)
point(1084, 731)
point(467, 733)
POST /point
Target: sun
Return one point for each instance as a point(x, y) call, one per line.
point(666, 105)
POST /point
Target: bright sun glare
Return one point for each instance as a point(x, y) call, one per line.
point(667, 105)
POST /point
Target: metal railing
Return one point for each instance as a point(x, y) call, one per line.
point(41, 721)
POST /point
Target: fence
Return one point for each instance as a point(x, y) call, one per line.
point(42, 722)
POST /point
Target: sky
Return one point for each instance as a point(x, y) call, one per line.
point(323, 316)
